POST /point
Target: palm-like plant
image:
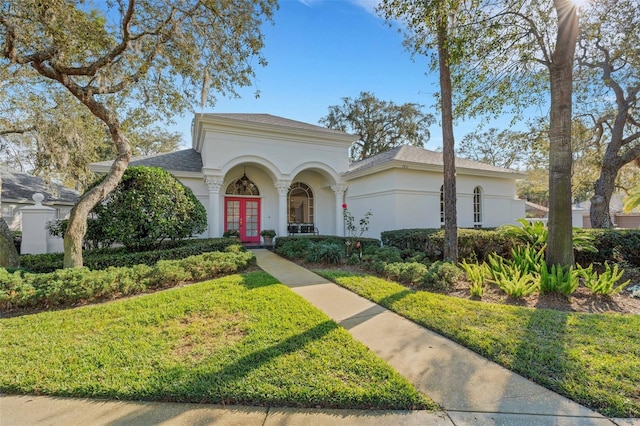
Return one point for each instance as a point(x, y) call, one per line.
point(633, 200)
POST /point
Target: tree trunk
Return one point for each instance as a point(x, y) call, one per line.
point(599, 211)
point(448, 144)
point(613, 159)
point(9, 257)
point(77, 226)
point(560, 240)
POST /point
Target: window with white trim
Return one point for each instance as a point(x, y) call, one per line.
point(477, 207)
point(300, 201)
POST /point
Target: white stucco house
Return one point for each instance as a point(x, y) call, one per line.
point(259, 171)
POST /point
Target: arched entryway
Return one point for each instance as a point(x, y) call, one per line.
point(242, 209)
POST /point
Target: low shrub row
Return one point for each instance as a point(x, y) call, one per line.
point(404, 266)
point(612, 245)
point(437, 276)
point(119, 256)
point(472, 243)
point(324, 249)
point(66, 287)
point(343, 241)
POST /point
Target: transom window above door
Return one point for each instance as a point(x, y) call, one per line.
point(242, 186)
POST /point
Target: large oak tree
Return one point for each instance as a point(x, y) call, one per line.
point(608, 77)
point(131, 57)
point(502, 51)
point(380, 125)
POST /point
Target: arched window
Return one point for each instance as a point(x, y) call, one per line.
point(242, 186)
point(477, 207)
point(300, 202)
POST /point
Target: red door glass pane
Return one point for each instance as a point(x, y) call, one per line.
point(243, 214)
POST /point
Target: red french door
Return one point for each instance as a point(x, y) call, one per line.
point(243, 214)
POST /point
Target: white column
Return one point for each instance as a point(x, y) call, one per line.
point(339, 191)
point(283, 189)
point(213, 214)
point(34, 226)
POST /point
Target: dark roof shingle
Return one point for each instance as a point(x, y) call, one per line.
point(19, 187)
point(414, 154)
point(186, 160)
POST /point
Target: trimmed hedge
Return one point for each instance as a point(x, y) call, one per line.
point(472, 243)
point(67, 287)
point(119, 256)
point(614, 245)
point(342, 241)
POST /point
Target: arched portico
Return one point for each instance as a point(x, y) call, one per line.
point(322, 188)
point(270, 206)
point(274, 153)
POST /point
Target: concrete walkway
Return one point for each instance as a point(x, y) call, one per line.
point(471, 389)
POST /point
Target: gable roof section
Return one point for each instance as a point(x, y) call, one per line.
point(266, 125)
point(274, 120)
point(19, 187)
point(181, 162)
point(423, 159)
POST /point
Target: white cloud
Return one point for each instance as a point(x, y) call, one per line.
point(368, 5)
point(309, 3)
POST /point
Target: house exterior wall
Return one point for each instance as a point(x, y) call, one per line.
point(222, 150)
point(273, 157)
point(401, 199)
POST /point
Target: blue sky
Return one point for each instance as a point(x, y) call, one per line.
point(319, 51)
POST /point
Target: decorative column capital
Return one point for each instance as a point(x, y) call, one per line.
point(214, 183)
point(283, 186)
point(339, 189)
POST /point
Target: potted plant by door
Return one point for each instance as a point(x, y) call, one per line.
point(268, 235)
point(231, 233)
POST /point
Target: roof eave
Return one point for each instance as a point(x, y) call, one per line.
point(104, 168)
point(236, 126)
point(400, 164)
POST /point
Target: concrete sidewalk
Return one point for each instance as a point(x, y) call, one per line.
point(471, 389)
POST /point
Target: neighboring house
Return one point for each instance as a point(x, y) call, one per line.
point(17, 192)
point(534, 210)
point(259, 171)
point(618, 217)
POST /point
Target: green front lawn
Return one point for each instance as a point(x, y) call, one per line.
point(593, 359)
point(241, 339)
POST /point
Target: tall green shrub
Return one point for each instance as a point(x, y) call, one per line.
point(148, 206)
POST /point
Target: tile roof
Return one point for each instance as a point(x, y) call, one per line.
point(19, 187)
point(414, 154)
point(186, 160)
point(274, 120)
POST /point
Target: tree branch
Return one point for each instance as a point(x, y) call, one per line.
point(17, 131)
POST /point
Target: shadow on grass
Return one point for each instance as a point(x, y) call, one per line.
point(390, 300)
point(257, 279)
point(231, 384)
point(541, 356)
